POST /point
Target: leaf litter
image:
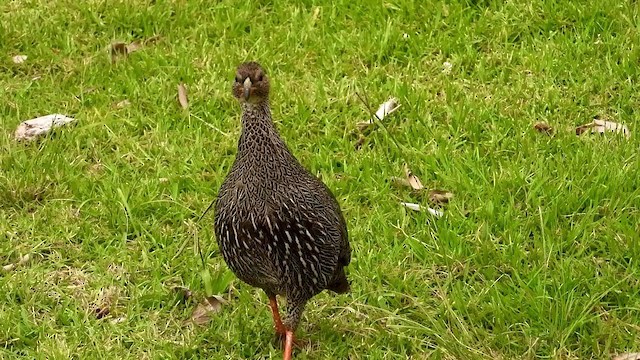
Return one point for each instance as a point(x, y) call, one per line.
point(543, 127)
point(204, 311)
point(446, 68)
point(122, 104)
point(628, 356)
point(123, 49)
point(386, 108)
point(601, 126)
point(19, 59)
point(416, 207)
point(183, 293)
point(105, 301)
point(412, 179)
point(182, 96)
point(23, 260)
point(436, 197)
point(30, 129)
point(439, 197)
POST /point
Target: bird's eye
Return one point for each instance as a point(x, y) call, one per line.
point(238, 78)
point(260, 76)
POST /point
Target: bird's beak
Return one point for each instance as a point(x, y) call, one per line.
point(247, 88)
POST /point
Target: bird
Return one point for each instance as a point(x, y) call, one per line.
point(278, 227)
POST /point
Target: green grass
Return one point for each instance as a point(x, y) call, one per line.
point(536, 257)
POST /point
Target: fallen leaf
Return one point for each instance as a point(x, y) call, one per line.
point(361, 140)
point(446, 67)
point(118, 320)
point(123, 104)
point(628, 356)
point(183, 293)
point(412, 206)
point(118, 48)
point(416, 207)
point(30, 129)
point(602, 126)
point(19, 59)
point(182, 96)
point(206, 309)
point(439, 197)
point(23, 260)
point(543, 128)
point(90, 90)
point(386, 108)
point(134, 46)
point(412, 179)
point(122, 48)
point(102, 312)
point(152, 40)
point(105, 301)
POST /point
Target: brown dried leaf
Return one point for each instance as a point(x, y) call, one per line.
point(152, 40)
point(583, 128)
point(363, 125)
point(628, 356)
point(89, 90)
point(182, 96)
point(206, 309)
point(134, 46)
point(183, 292)
point(118, 48)
point(439, 197)
point(543, 128)
point(361, 140)
point(23, 260)
point(412, 179)
point(102, 312)
point(121, 48)
point(602, 126)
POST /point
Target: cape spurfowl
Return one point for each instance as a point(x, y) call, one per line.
point(278, 227)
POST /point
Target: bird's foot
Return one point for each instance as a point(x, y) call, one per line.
point(281, 340)
point(288, 345)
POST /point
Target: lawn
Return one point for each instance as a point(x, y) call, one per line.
point(536, 255)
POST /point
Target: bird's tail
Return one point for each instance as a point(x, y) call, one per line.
point(339, 284)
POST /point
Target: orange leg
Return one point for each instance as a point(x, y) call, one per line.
point(273, 304)
point(288, 347)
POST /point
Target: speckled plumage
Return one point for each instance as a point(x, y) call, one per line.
point(279, 228)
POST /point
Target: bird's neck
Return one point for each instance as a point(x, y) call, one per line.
point(256, 117)
point(259, 134)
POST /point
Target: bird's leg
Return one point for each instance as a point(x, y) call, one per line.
point(295, 307)
point(273, 304)
point(288, 345)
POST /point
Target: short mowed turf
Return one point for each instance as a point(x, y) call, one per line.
point(536, 255)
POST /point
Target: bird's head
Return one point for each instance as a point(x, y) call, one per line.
point(251, 84)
